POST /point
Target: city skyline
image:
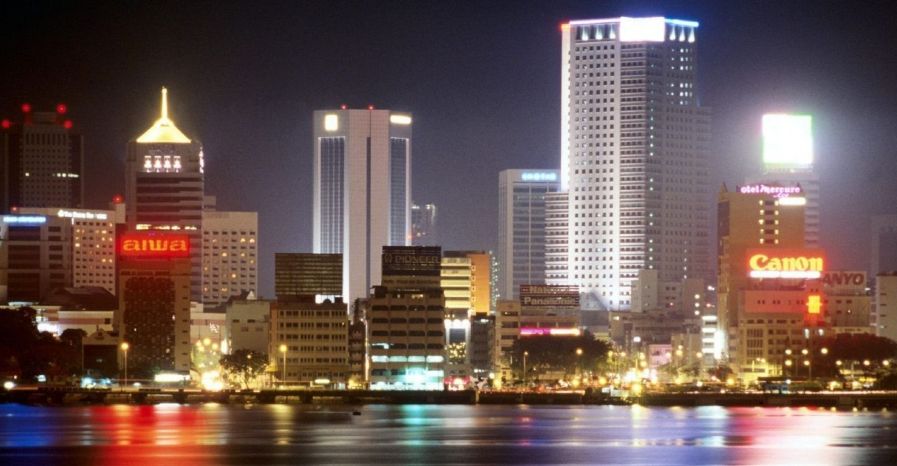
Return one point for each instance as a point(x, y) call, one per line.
point(273, 122)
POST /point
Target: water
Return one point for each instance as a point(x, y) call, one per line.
point(413, 434)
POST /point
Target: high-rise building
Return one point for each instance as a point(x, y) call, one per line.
point(406, 318)
point(92, 245)
point(884, 244)
point(521, 227)
point(750, 221)
point(480, 282)
point(42, 161)
point(788, 166)
point(310, 321)
point(230, 253)
point(153, 316)
point(634, 146)
point(362, 190)
point(423, 225)
point(164, 187)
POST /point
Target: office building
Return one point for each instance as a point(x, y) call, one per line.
point(846, 302)
point(539, 310)
point(248, 324)
point(154, 288)
point(312, 338)
point(886, 305)
point(298, 274)
point(423, 225)
point(362, 190)
point(310, 321)
point(35, 257)
point(92, 245)
point(42, 161)
point(164, 186)
point(748, 221)
point(521, 228)
point(406, 318)
point(634, 149)
point(883, 242)
point(557, 233)
point(480, 282)
point(788, 166)
point(229, 255)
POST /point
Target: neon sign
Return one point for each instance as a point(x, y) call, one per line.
point(535, 331)
point(814, 303)
point(539, 176)
point(785, 264)
point(149, 245)
point(24, 219)
point(776, 191)
point(81, 214)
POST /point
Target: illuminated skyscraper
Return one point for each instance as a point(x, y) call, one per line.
point(788, 163)
point(41, 161)
point(634, 144)
point(164, 187)
point(230, 254)
point(521, 228)
point(362, 190)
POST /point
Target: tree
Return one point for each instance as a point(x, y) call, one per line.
point(243, 368)
point(25, 352)
point(559, 353)
point(850, 349)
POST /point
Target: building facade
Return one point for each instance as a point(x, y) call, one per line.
point(35, 257)
point(886, 305)
point(92, 245)
point(634, 150)
point(362, 190)
point(406, 321)
point(229, 255)
point(883, 242)
point(42, 161)
point(521, 227)
point(298, 274)
point(154, 288)
point(164, 187)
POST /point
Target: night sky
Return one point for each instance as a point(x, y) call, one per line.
point(482, 80)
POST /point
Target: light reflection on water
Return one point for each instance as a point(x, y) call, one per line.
point(290, 434)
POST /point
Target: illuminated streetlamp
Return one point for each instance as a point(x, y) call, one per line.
point(525, 354)
point(124, 347)
point(283, 351)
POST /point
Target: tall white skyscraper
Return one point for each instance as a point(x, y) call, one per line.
point(634, 144)
point(362, 190)
point(521, 228)
point(164, 185)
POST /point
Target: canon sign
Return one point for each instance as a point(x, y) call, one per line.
point(785, 263)
point(154, 245)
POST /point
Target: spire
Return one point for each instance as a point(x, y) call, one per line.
point(163, 130)
point(164, 103)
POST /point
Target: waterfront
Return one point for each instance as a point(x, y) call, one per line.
point(413, 434)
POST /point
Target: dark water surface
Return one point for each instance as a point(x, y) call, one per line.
point(414, 434)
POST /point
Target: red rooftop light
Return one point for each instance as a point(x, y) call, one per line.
point(370, 107)
point(61, 109)
point(6, 124)
point(67, 124)
point(26, 108)
point(343, 107)
point(118, 199)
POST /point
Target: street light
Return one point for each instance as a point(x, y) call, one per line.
point(124, 347)
point(579, 363)
point(525, 354)
point(283, 351)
